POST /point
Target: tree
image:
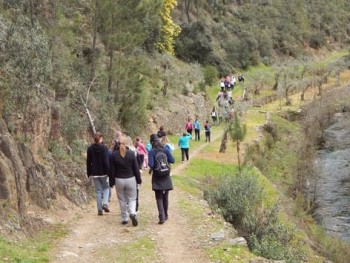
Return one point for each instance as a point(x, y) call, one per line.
point(169, 29)
point(24, 53)
point(187, 10)
point(210, 74)
point(237, 132)
point(123, 28)
point(193, 44)
point(94, 37)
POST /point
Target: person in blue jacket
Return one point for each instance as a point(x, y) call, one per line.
point(197, 130)
point(161, 185)
point(184, 145)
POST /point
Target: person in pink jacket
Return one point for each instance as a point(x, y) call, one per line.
point(141, 149)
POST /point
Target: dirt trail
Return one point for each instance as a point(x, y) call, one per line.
point(97, 238)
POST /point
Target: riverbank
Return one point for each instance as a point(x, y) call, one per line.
point(333, 180)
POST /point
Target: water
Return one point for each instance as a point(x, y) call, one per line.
point(333, 183)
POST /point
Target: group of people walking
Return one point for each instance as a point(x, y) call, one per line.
point(196, 127)
point(121, 167)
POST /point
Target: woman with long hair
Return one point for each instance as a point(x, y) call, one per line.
point(161, 183)
point(125, 175)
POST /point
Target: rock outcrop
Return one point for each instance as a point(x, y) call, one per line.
point(25, 181)
point(174, 113)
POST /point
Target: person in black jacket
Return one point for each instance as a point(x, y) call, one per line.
point(161, 185)
point(125, 175)
point(97, 166)
point(161, 133)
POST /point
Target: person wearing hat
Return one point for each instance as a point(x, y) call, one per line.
point(161, 185)
point(125, 175)
point(97, 167)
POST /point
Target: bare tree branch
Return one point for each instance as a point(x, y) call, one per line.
point(85, 103)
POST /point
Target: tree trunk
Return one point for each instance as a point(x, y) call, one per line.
point(93, 55)
point(286, 94)
point(196, 3)
point(238, 157)
point(53, 38)
point(110, 75)
point(224, 142)
point(85, 103)
point(187, 10)
point(31, 12)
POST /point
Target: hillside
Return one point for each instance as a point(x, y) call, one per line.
point(69, 68)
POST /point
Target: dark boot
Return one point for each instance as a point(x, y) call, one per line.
point(165, 205)
point(161, 212)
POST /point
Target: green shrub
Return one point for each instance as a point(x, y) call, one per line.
point(236, 197)
point(72, 123)
point(210, 75)
point(240, 200)
point(317, 40)
point(185, 91)
point(193, 44)
point(78, 149)
point(58, 151)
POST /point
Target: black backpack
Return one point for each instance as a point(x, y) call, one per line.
point(161, 165)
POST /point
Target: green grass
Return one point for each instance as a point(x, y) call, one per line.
point(224, 252)
point(332, 248)
point(199, 169)
point(32, 250)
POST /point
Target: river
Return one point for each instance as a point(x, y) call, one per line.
point(333, 183)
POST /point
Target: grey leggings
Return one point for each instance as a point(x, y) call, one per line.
point(127, 193)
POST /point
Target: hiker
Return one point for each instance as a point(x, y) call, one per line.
point(148, 147)
point(161, 132)
point(141, 149)
point(207, 131)
point(233, 82)
point(222, 86)
point(219, 96)
point(227, 82)
point(161, 181)
point(125, 175)
point(167, 144)
point(97, 166)
point(213, 115)
point(241, 78)
point(189, 126)
point(197, 130)
point(118, 134)
point(184, 145)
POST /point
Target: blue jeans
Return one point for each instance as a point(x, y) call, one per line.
point(197, 135)
point(102, 191)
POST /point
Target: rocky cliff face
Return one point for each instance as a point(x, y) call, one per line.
point(174, 113)
point(26, 181)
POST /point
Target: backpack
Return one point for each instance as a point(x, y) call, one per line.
point(161, 165)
